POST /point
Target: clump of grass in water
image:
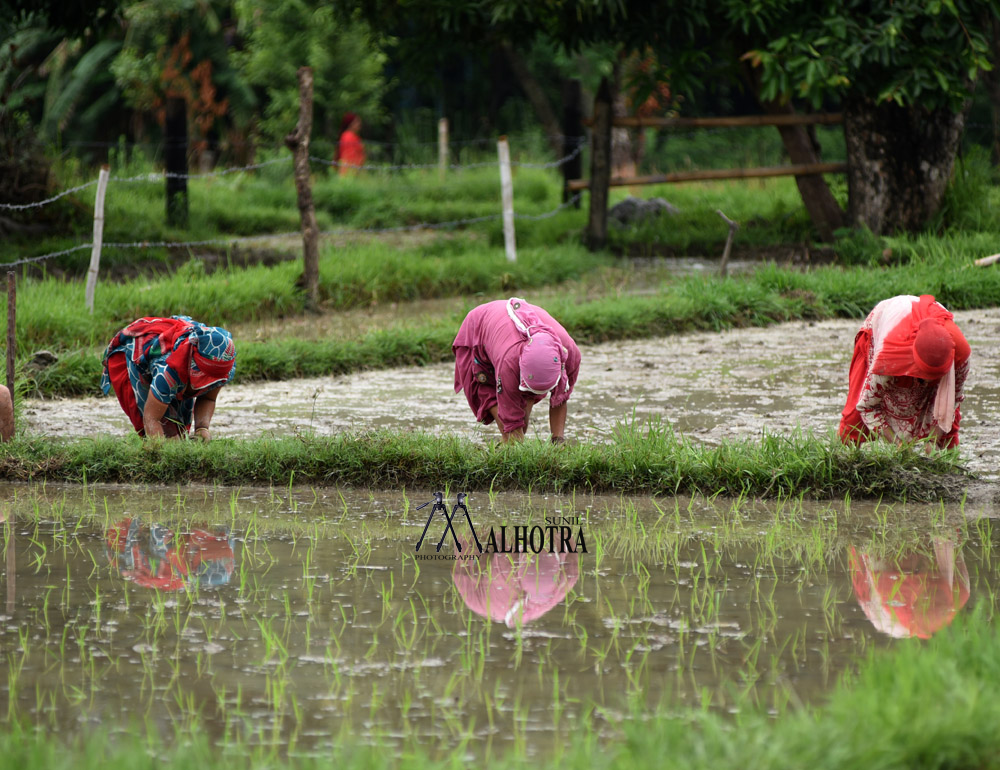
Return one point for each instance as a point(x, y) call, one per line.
point(650, 459)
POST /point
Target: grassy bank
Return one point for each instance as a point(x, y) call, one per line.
point(770, 295)
point(51, 312)
point(922, 705)
point(649, 460)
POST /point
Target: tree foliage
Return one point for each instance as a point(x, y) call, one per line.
point(907, 52)
point(904, 51)
point(183, 48)
point(345, 55)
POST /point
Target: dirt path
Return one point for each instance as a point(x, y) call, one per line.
point(709, 386)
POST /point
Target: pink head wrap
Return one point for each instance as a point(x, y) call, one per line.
point(543, 358)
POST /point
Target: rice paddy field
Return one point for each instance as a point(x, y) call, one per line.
point(703, 576)
point(307, 619)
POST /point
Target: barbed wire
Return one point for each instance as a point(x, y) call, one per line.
point(43, 257)
point(549, 214)
point(47, 201)
point(451, 166)
point(482, 141)
point(157, 176)
point(289, 234)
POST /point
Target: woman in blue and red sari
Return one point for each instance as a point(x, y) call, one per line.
point(167, 373)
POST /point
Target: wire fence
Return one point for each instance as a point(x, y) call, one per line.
point(98, 244)
point(159, 176)
point(292, 234)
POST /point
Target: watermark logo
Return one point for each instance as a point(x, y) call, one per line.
point(558, 534)
point(439, 506)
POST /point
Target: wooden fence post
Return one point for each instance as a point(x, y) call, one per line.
point(95, 253)
point(175, 156)
point(7, 423)
point(298, 142)
point(442, 147)
point(507, 195)
point(733, 227)
point(600, 168)
point(572, 135)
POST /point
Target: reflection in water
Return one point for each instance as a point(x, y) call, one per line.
point(11, 568)
point(153, 556)
point(914, 593)
point(515, 588)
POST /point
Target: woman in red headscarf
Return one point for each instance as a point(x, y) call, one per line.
point(509, 355)
point(910, 364)
point(350, 150)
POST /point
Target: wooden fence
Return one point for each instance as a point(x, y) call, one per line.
point(600, 176)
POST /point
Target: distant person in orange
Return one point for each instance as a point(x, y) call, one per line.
point(350, 150)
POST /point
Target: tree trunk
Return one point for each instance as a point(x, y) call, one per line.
point(622, 160)
point(175, 157)
point(824, 211)
point(991, 79)
point(823, 208)
point(298, 142)
point(899, 162)
point(600, 168)
point(573, 138)
point(536, 95)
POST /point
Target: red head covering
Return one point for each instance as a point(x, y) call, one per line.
point(920, 345)
point(925, 344)
point(933, 348)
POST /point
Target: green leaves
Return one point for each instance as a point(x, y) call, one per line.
point(903, 52)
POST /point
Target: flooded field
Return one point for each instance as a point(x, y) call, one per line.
point(709, 386)
point(307, 617)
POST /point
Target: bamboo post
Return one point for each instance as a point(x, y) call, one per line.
point(442, 146)
point(572, 135)
point(733, 227)
point(600, 168)
point(95, 254)
point(507, 195)
point(298, 142)
point(7, 412)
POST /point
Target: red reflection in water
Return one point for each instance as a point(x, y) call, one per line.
point(913, 594)
point(154, 556)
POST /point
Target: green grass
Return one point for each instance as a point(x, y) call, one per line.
point(51, 312)
point(649, 459)
point(929, 705)
point(770, 295)
point(264, 201)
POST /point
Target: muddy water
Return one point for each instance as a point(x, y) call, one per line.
point(710, 386)
point(305, 617)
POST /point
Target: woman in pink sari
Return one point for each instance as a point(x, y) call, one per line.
point(909, 367)
point(509, 355)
